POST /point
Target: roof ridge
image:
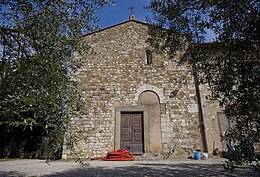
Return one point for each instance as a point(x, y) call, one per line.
point(127, 21)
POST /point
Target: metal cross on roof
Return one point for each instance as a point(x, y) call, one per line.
point(132, 10)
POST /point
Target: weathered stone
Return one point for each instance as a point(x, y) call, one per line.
point(114, 76)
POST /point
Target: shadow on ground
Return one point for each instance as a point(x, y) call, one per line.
point(149, 170)
point(11, 173)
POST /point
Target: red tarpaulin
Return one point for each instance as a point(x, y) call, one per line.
point(117, 155)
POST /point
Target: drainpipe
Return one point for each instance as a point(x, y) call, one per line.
point(200, 113)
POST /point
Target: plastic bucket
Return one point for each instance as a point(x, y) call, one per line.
point(196, 155)
point(204, 156)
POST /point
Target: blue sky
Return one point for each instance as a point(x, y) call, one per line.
point(114, 14)
point(111, 15)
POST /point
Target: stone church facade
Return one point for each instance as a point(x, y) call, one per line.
point(136, 99)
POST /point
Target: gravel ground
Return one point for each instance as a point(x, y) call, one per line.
point(181, 168)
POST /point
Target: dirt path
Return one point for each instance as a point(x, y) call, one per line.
point(119, 168)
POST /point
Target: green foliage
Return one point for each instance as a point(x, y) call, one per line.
point(230, 65)
point(38, 38)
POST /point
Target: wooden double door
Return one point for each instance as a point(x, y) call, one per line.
point(131, 137)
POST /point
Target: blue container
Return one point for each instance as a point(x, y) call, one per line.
point(196, 155)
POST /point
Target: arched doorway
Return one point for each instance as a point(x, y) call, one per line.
point(140, 123)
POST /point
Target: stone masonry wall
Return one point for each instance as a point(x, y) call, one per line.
point(111, 74)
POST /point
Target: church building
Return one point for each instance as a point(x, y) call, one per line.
point(139, 100)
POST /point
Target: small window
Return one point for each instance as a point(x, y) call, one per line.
point(149, 56)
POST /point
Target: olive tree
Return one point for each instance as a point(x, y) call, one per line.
point(230, 65)
point(38, 38)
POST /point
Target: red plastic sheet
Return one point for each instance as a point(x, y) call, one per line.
point(117, 155)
